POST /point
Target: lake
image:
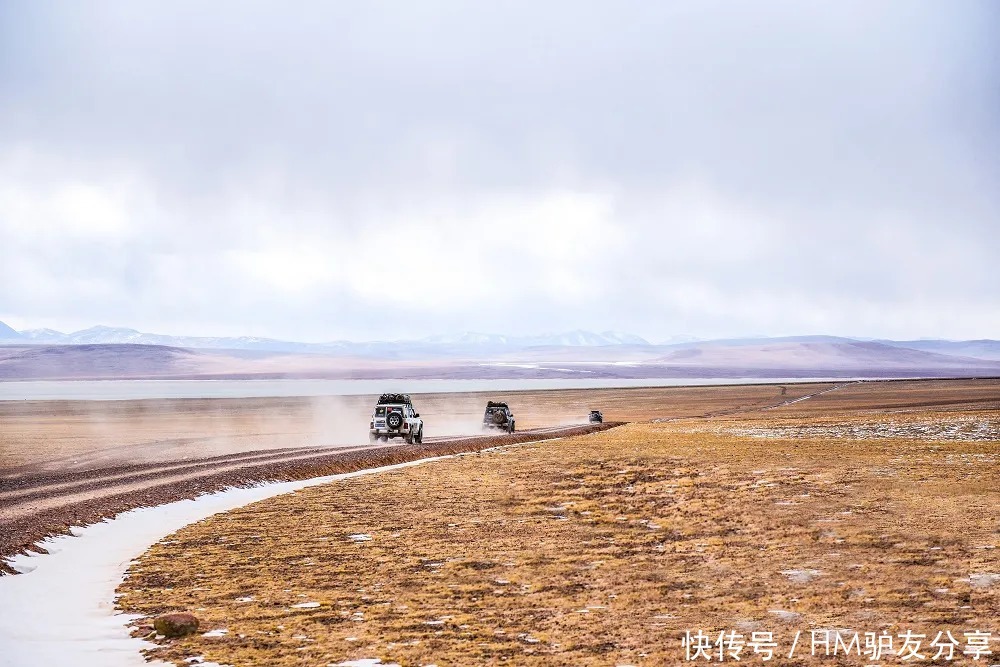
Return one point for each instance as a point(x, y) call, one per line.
point(119, 390)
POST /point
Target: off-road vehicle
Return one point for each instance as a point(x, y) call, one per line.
point(394, 417)
point(595, 417)
point(498, 415)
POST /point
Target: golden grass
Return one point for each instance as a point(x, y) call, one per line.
point(90, 434)
point(96, 433)
point(600, 550)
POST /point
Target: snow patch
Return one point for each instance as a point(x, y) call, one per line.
point(984, 580)
point(221, 632)
point(83, 570)
point(801, 576)
point(786, 616)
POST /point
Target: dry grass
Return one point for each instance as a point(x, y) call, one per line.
point(878, 398)
point(936, 427)
point(600, 550)
point(92, 434)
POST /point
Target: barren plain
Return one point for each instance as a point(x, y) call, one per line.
point(84, 435)
point(865, 508)
point(81, 461)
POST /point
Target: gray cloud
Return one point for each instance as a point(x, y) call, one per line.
point(692, 167)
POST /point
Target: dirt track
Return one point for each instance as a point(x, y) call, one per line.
point(605, 549)
point(95, 479)
point(84, 461)
point(58, 436)
point(36, 504)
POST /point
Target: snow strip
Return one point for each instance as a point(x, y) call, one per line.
point(62, 609)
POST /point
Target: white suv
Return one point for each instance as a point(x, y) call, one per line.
point(394, 417)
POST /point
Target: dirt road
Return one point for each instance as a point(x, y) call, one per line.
point(35, 502)
point(606, 549)
point(117, 456)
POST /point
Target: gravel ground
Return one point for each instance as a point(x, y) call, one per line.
point(974, 427)
point(597, 550)
point(35, 506)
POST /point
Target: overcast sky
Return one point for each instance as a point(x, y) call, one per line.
point(325, 170)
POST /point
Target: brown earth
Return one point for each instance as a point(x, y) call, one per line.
point(867, 508)
point(33, 507)
point(81, 435)
point(60, 436)
point(82, 461)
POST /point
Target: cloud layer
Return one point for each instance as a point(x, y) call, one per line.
point(329, 170)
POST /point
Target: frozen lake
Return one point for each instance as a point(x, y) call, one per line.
point(119, 390)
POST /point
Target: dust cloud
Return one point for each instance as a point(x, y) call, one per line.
point(79, 435)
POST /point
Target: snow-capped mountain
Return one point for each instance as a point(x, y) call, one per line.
point(6, 333)
point(121, 352)
point(576, 338)
point(467, 338)
point(100, 334)
point(588, 338)
point(579, 345)
point(42, 335)
point(103, 335)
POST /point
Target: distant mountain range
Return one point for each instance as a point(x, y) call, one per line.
point(764, 360)
point(978, 349)
point(469, 343)
point(6, 333)
point(104, 352)
point(102, 335)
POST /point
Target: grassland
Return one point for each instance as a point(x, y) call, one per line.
point(605, 549)
point(77, 435)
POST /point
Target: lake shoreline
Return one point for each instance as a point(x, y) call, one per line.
point(137, 389)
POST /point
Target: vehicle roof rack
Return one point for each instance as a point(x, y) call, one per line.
point(386, 399)
point(496, 404)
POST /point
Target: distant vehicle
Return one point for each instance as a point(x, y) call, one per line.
point(499, 416)
point(595, 417)
point(394, 417)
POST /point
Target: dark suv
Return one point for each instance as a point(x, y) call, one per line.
point(498, 415)
point(595, 417)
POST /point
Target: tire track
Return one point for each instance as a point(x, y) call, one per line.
point(50, 504)
point(808, 396)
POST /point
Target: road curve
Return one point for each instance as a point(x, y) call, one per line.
point(35, 504)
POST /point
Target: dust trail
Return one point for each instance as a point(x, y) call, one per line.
point(32, 507)
point(68, 436)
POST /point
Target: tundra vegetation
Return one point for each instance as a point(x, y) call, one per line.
point(865, 509)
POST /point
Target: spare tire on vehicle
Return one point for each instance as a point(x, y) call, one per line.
point(394, 420)
point(499, 417)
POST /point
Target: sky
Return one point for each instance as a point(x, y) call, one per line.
point(375, 170)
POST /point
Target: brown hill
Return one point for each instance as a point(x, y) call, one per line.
point(720, 359)
point(838, 355)
point(23, 362)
